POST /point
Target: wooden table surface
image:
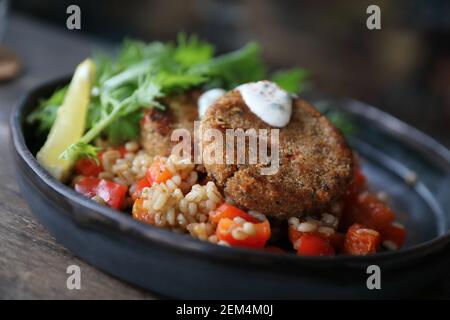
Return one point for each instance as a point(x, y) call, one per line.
point(32, 264)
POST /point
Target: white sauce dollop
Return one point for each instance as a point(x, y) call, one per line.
point(207, 99)
point(268, 101)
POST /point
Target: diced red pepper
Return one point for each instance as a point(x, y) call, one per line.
point(369, 211)
point(314, 245)
point(88, 167)
point(336, 239)
point(227, 229)
point(140, 185)
point(364, 208)
point(87, 186)
point(361, 240)
point(229, 211)
point(394, 233)
point(158, 172)
point(112, 193)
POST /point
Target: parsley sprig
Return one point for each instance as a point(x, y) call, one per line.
point(142, 73)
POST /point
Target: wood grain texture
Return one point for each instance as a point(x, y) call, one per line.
point(32, 264)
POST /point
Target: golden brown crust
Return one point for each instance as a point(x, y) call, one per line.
point(157, 126)
point(315, 161)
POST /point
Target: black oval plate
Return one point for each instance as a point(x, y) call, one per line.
point(179, 266)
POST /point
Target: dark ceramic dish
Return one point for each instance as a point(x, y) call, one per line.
point(180, 266)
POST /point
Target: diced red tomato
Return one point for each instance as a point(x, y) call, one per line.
point(394, 233)
point(314, 245)
point(369, 211)
point(158, 172)
point(87, 186)
point(140, 185)
point(227, 229)
point(112, 193)
point(361, 240)
point(364, 208)
point(229, 211)
point(88, 167)
point(336, 239)
point(375, 213)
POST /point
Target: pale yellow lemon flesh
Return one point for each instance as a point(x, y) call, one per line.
point(70, 122)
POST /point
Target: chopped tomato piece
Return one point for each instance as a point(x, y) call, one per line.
point(336, 239)
point(360, 240)
point(377, 214)
point(158, 172)
point(394, 233)
point(229, 211)
point(364, 208)
point(369, 211)
point(87, 186)
point(314, 245)
point(140, 185)
point(112, 193)
point(88, 167)
point(236, 234)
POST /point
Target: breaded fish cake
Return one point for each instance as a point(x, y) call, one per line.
point(315, 161)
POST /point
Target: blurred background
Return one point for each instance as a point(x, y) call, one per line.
point(404, 68)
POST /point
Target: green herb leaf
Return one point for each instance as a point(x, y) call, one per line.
point(45, 114)
point(124, 129)
point(290, 80)
point(143, 73)
point(80, 150)
point(180, 81)
point(341, 121)
point(191, 51)
point(235, 68)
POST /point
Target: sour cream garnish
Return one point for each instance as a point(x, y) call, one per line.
point(207, 99)
point(268, 101)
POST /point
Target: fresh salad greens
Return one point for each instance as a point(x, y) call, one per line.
point(339, 119)
point(142, 73)
point(290, 80)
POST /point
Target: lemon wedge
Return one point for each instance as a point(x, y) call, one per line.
point(70, 122)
